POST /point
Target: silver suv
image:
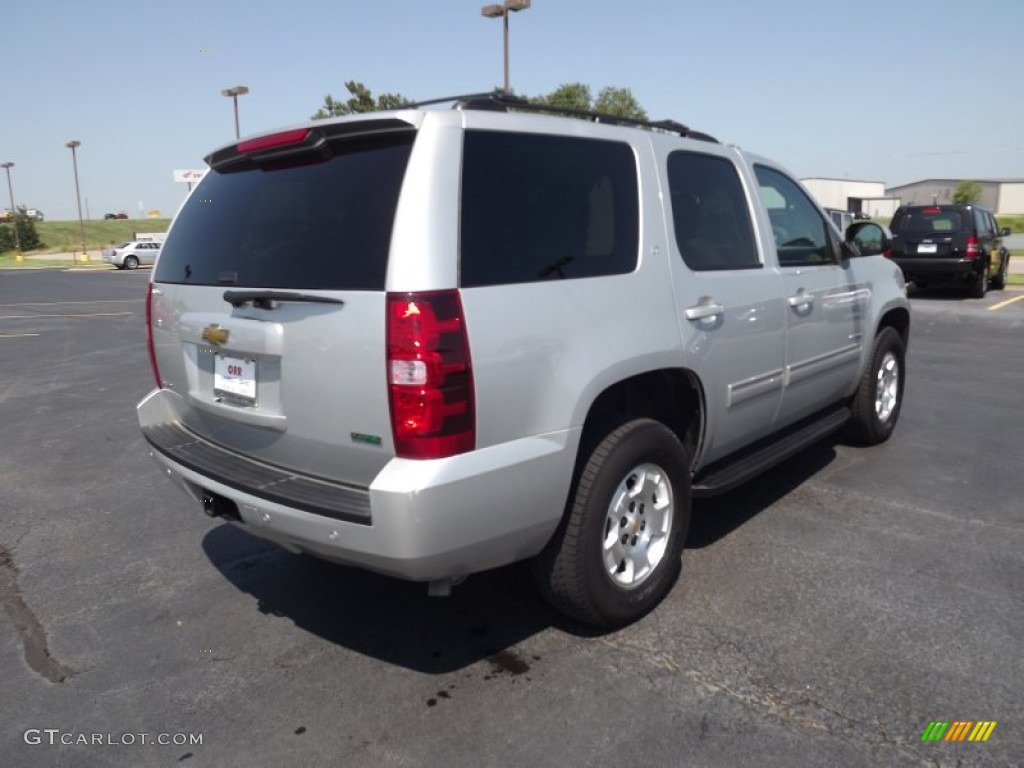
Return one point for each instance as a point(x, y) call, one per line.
point(430, 342)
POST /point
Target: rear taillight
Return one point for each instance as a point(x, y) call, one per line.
point(430, 378)
point(149, 333)
point(972, 247)
point(887, 253)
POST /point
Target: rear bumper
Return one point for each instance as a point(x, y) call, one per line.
point(418, 520)
point(940, 267)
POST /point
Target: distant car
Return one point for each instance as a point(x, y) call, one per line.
point(121, 215)
point(31, 213)
point(132, 254)
point(108, 252)
point(109, 215)
point(960, 244)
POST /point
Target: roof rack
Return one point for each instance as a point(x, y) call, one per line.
point(503, 101)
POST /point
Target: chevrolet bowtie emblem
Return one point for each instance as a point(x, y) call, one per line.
point(215, 334)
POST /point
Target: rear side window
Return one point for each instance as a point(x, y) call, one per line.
point(981, 219)
point(540, 207)
point(323, 225)
point(925, 221)
point(710, 213)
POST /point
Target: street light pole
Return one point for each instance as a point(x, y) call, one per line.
point(234, 92)
point(14, 211)
point(73, 145)
point(503, 10)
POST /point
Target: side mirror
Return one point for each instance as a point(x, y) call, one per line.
point(866, 238)
point(1004, 232)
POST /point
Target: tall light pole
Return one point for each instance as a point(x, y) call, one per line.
point(14, 211)
point(234, 92)
point(72, 145)
point(502, 11)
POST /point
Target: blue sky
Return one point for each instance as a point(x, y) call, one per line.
point(883, 91)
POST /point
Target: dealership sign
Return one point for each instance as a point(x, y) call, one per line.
point(190, 176)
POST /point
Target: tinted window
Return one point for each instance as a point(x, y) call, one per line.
point(924, 221)
point(546, 207)
point(801, 232)
point(709, 212)
point(325, 225)
point(981, 221)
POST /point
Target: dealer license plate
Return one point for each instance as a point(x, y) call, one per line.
point(234, 376)
point(927, 248)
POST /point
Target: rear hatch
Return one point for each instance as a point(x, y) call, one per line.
point(268, 305)
point(932, 232)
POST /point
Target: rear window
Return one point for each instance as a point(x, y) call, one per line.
point(925, 221)
point(538, 207)
point(325, 225)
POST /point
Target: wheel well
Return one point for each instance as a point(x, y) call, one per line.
point(671, 396)
point(899, 320)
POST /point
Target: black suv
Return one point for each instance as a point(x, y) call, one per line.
point(944, 243)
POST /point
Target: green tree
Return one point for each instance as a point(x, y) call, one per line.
point(27, 235)
point(6, 238)
point(570, 96)
point(610, 100)
point(967, 192)
point(360, 100)
point(620, 102)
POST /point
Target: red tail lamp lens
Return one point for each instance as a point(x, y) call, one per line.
point(430, 376)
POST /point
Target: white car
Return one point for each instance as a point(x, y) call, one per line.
point(131, 254)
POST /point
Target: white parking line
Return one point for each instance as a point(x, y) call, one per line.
point(16, 335)
point(1002, 304)
point(34, 317)
point(58, 303)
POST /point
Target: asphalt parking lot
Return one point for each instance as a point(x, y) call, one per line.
point(827, 613)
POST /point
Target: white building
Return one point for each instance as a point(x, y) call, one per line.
point(868, 197)
point(1001, 196)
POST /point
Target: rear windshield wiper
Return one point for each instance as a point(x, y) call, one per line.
point(270, 299)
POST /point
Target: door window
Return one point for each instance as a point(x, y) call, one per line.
point(801, 232)
point(710, 213)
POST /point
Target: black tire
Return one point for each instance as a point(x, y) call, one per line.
point(875, 407)
point(130, 262)
point(979, 287)
point(572, 571)
point(999, 281)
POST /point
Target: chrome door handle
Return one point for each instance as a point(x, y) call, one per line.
point(704, 311)
point(800, 300)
